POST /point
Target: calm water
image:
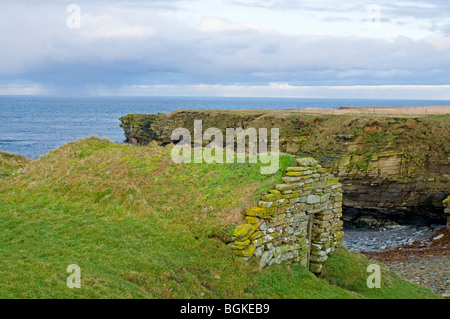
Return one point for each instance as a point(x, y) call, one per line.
point(32, 126)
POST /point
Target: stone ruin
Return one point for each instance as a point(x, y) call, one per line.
point(298, 221)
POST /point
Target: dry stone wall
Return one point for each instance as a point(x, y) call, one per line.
point(298, 221)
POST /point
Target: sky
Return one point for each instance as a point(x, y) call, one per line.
point(273, 48)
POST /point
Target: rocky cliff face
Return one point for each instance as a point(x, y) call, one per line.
point(386, 192)
point(393, 169)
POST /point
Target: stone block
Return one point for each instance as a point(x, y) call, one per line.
point(313, 199)
point(240, 244)
point(283, 187)
point(262, 212)
point(324, 198)
point(318, 259)
point(306, 161)
point(296, 169)
point(244, 231)
point(316, 267)
point(252, 220)
point(246, 252)
point(264, 204)
point(270, 197)
point(290, 179)
point(296, 175)
point(265, 258)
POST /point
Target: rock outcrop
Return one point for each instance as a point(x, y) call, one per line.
point(389, 189)
point(394, 169)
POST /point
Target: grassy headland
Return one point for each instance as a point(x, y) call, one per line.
point(396, 166)
point(140, 226)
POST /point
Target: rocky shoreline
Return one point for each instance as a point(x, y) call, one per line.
point(379, 239)
point(420, 255)
point(432, 272)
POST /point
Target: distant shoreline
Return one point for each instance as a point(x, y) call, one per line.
point(395, 110)
point(32, 126)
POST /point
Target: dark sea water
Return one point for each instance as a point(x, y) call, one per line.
point(34, 125)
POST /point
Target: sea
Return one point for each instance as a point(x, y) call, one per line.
point(34, 125)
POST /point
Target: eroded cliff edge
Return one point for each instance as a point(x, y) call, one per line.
point(394, 168)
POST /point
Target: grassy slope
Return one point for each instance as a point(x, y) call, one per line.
point(10, 163)
point(140, 226)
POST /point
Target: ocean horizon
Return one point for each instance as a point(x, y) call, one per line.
point(34, 125)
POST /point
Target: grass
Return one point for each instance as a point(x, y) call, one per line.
point(348, 270)
point(140, 226)
point(9, 163)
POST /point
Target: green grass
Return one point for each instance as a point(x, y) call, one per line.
point(348, 270)
point(9, 163)
point(140, 226)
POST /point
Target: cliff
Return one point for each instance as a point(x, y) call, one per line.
point(394, 168)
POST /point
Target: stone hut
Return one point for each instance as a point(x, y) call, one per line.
point(298, 221)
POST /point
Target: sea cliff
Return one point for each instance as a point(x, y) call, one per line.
point(395, 168)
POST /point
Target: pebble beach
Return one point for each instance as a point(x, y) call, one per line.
point(420, 255)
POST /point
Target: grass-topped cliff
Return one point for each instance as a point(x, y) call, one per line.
point(328, 137)
point(395, 166)
point(140, 226)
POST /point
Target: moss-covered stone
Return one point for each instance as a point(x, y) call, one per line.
point(240, 244)
point(306, 162)
point(261, 212)
point(251, 220)
point(244, 231)
point(246, 252)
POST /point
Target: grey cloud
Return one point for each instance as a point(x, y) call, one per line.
point(262, 58)
point(44, 50)
point(431, 11)
point(427, 9)
point(445, 30)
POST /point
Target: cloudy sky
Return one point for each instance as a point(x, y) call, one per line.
point(285, 48)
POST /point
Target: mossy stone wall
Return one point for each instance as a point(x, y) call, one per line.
point(298, 221)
